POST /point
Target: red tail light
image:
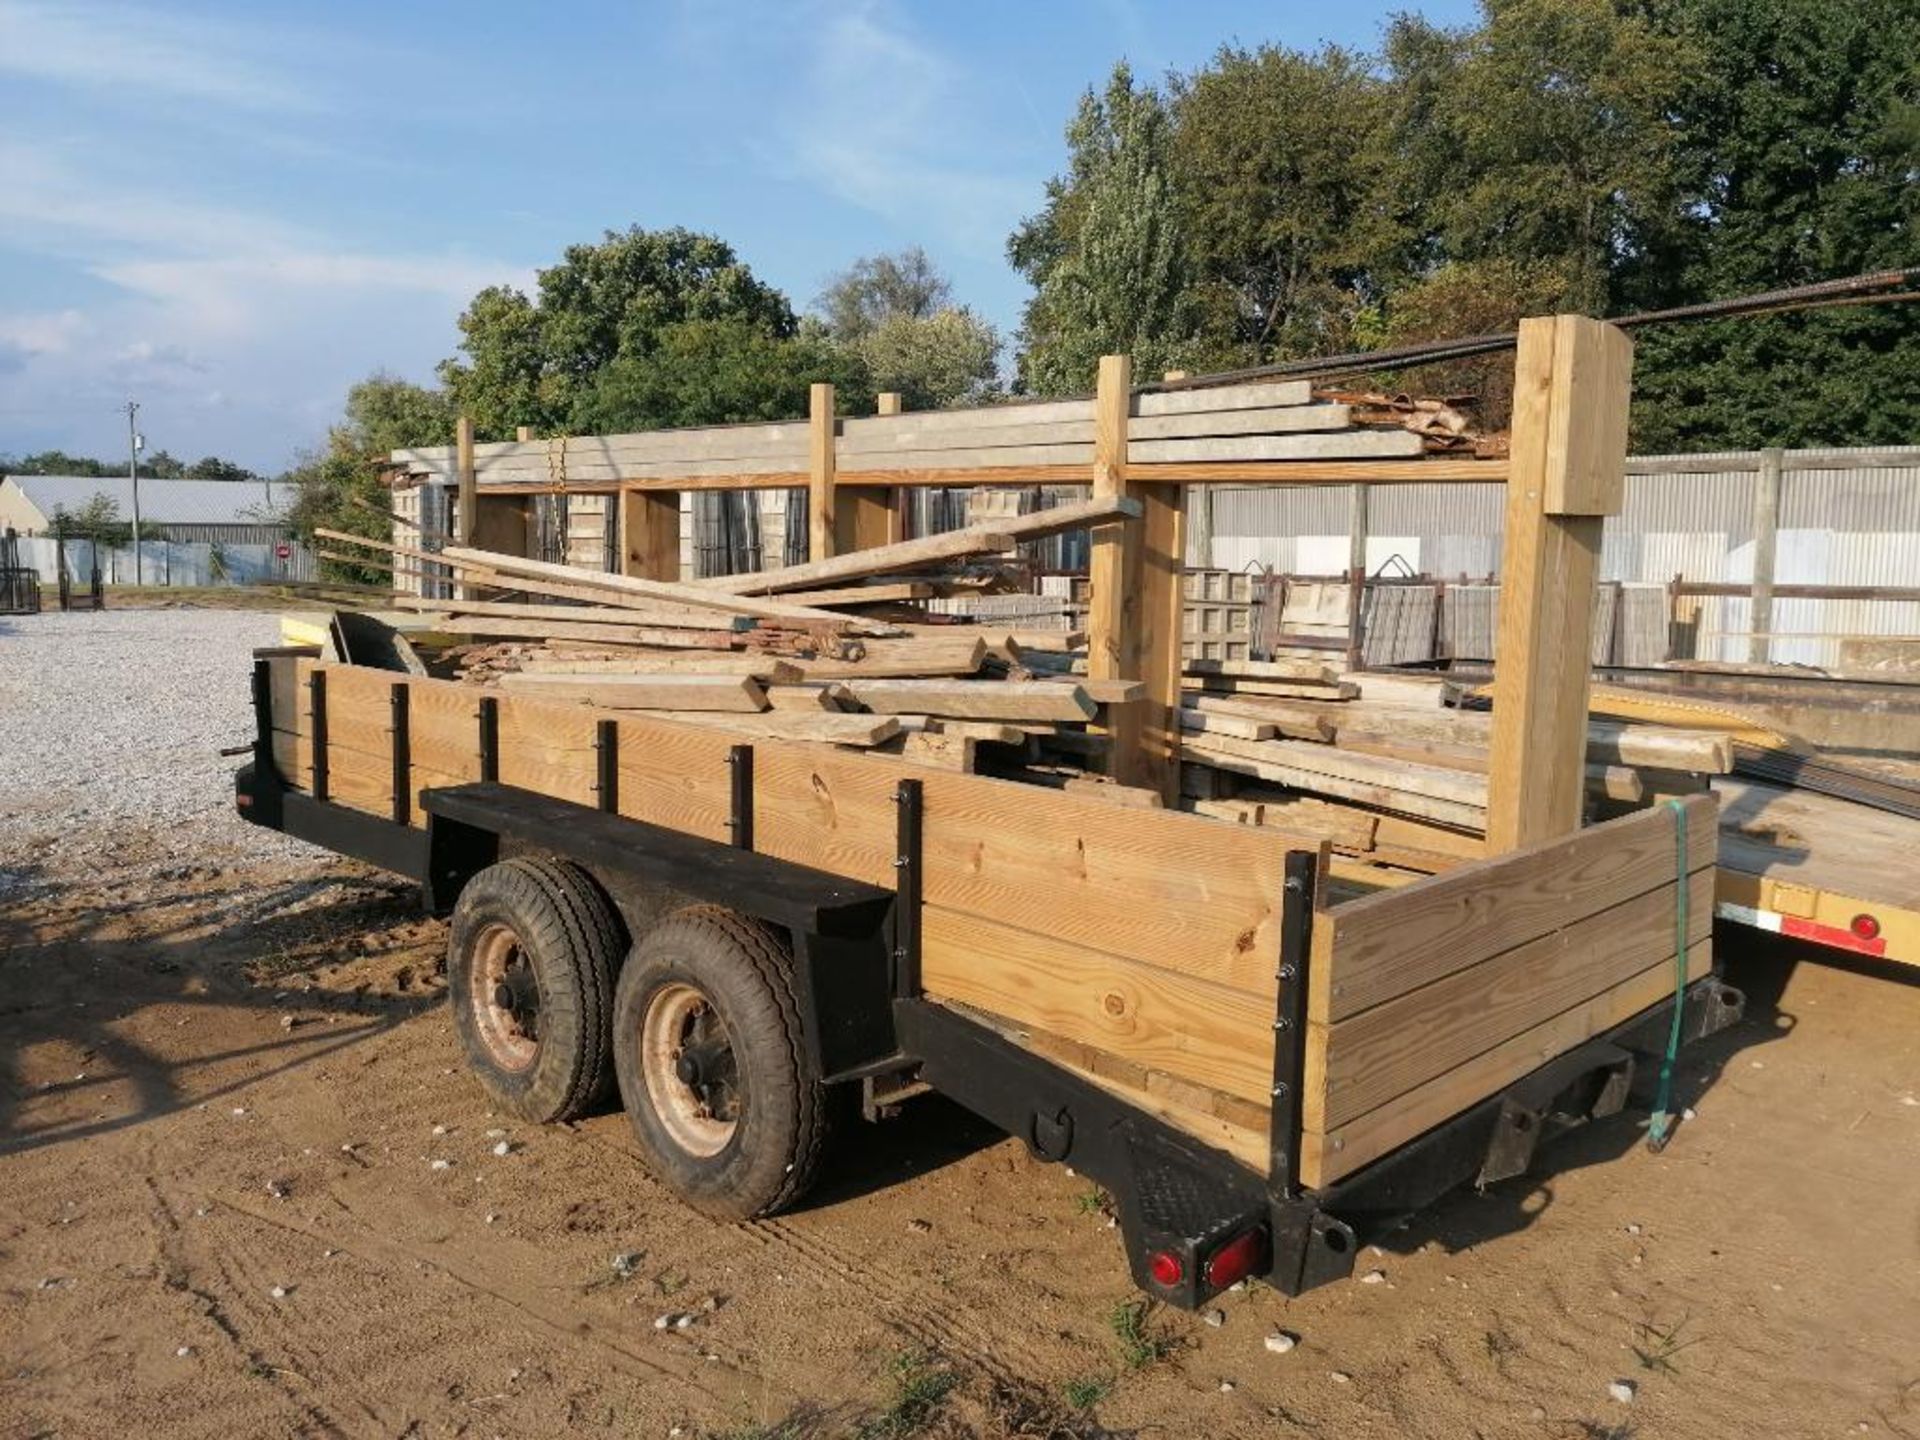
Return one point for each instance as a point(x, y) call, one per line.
point(1166, 1269)
point(1236, 1259)
point(1865, 927)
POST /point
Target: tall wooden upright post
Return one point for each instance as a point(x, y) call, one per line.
point(466, 518)
point(866, 516)
point(821, 499)
point(1572, 382)
point(1135, 602)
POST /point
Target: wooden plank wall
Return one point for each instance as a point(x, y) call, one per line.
point(1428, 998)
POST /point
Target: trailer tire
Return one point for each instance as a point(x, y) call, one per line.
point(531, 957)
point(713, 1066)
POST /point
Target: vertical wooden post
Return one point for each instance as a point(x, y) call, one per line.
point(820, 474)
point(1357, 505)
point(523, 433)
point(867, 516)
point(650, 534)
point(467, 478)
point(1766, 540)
point(1572, 381)
point(466, 519)
point(1135, 604)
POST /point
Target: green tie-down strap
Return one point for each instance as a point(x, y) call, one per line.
point(1660, 1126)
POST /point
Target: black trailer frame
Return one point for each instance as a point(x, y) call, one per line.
point(1194, 1219)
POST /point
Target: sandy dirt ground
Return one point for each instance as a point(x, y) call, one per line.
point(247, 1189)
point(223, 1094)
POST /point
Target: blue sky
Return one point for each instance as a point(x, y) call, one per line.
point(230, 211)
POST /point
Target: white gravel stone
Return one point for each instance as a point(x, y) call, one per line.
point(1622, 1391)
point(505, 1147)
point(1374, 1277)
point(1280, 1342)
point(162, 692)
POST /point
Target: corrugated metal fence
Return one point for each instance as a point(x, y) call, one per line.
point(164, 562)
point(1847, 517)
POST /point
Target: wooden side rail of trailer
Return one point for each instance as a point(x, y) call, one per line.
point(1172, 1004)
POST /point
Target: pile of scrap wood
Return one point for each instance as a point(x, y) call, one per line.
point(1384, 765)
point(833, 651)
point(842, 651)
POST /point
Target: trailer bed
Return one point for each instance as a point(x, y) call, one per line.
point(1139, 948)
point(1812, 866)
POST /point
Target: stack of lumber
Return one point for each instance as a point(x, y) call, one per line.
point(1383, 766)
point(833, 651)
point(1271, 421)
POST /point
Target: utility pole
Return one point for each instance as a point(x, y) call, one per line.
point(133, 475)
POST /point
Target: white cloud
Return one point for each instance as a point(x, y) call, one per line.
point(123, 48)
point(51, 332)
point(239, 332)
point(883, 123)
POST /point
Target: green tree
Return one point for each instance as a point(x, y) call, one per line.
point(951, 357)
point(896, 314)
point(1290, 199)
point(878, 288)
point(212, 467)
point(1104, 253)
point(1799, 144)
point(339, 486)
point(538, 361)
point(1541, 135)
point(58, 462)
point(721, 372)
point(97, 520)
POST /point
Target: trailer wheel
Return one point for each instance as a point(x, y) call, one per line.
point(713, 1070)
point(530, 964)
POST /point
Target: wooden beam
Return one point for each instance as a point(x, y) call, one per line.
point(868, 518)
point(820, 473)
point(1438, 470)
point(650, 534)
point(993, 538)
point(466, 517)
point(974, 700)
point(1135, 603)
point(647, 691)
point(908, 555)
point(616, 587)
point(1572, 384)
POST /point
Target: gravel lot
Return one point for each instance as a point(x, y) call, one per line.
point(111, 724)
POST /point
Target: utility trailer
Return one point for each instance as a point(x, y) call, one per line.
point(1261, 1064)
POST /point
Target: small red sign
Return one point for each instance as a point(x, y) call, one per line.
point(283, 551)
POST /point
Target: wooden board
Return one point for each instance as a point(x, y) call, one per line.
point(1371, 950)
point(1217, 1035)
point(646, 692)
point(1371, 1058)
point(974, 700)
point(897, 659)
point(819, 726)
point(1326, 1157)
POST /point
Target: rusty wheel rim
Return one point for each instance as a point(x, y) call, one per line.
point(688, 1066)
point(504, 998)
